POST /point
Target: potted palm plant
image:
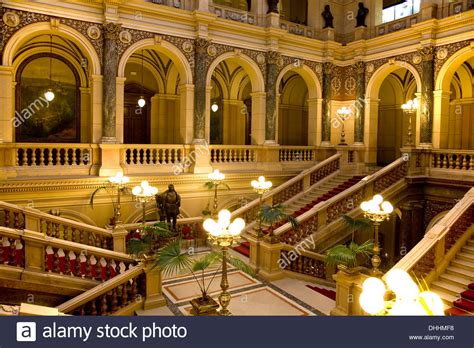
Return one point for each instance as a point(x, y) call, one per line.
point(110, 189)
point(345, 257)
point(174, 259)
point(144, 243)
point(271, 214)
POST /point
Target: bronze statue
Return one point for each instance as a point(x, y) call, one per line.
point(328, 17)
point(160, 207)
point(171, 202)
point(273, 6)
point(361, 15)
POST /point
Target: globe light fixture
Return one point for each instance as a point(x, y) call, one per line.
point(376, 210)
point(214, 107)
point(216, 178)
point(410, 108)
point(409, 300)
point(343, 114)
point(260, 186)
point(224, 234)
point(119, 181)
point(49, 95)
point(141, 102)
point(143, 194)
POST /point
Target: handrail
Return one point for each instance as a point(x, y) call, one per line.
point(182, 221)
point(425, 253)
point(341, 196)
point(56, 219)
point(287, 184)
point(101, 289)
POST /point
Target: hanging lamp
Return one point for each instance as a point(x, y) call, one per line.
point(49, 94)
point(142, 101)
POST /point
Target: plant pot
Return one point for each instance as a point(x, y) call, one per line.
point(204, 306)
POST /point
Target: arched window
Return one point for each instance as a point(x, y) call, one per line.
point(36, 119)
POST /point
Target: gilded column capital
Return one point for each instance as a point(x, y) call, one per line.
point(359, 67)
point(427, 53)
point(273, 57)
point(328, 68)
point(201, 45)
point(112, 30)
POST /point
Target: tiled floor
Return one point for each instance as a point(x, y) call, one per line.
point(250, 296)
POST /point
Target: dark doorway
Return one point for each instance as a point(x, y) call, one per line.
point(136, 119)
point(248, 121)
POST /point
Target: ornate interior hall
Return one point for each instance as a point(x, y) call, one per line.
point(230, 157)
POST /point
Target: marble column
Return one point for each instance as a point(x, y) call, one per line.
point(110, 65)
point(271, 108)
point(359, 112)
point(7, 98)
point(427, 86)
point(186, 112)
point(200, 74)
point(97, 119)
point(326, 112)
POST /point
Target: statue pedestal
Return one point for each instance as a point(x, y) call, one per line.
point(328, 34)
point(273, 20)
point(360, 33)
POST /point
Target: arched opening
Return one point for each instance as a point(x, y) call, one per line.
point(230, 118)
point(235, 101)
point(154, 76)
point(398, 87)
point(458, 120)
point(293, 110)
point(56, 64)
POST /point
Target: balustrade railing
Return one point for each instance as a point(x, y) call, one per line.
point(233, 14)
point(153, 155)
point(170, 3)
point(396, 25)
point(432, 254)
point(119, 292)
point(290, 188)
point(232, 154)
point(297, 153)
point(306, 262)
point(60, 256)
point(452, 159)
point(297, 29)
point(16, 217)
point(328, 211)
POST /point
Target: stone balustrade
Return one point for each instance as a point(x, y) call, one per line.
point(234, 14)
point(48, 254)
point(307, 263)
point(128, 288)
point(452, 159)
point(297, 153)
point(297, 29)
point(233, 154)
point(433, 253)
point(289, 189)
point(16, 217)
point(324, 213)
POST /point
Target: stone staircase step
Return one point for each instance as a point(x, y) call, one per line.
point(460, 272)
point(463, 264)
point(465, 256)
point(470, 242)
point(446, 297)
point(447, 287)
point(468, 249)
point(455, 280)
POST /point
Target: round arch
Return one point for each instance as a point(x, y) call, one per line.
point(178, 58)
point(375, 82)
point(309, 77)
point(446, 73)
point(250, 67)
point(26, 33)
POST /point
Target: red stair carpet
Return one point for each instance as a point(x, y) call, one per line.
point(243, 248)
point(328, 293)
point(464, 305)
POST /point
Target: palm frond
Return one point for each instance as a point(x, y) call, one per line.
point(160, 229)
point(171, 259)
point(137, 246)
point(240, 265)
point(206, 261)
point(209, 185)
point(365, 248)
point(341, 254)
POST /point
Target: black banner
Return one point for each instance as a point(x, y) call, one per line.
point(242, 332)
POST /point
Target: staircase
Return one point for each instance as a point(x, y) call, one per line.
point(456, 285)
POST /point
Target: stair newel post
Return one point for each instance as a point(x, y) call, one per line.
point(153, 288)
point(34, 252)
